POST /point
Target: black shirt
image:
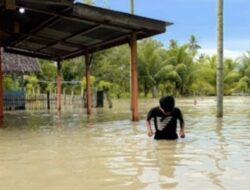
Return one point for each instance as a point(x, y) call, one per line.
point(165, 125)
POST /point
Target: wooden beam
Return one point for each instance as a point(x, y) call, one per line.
point(30, 53)
point(134, 78)
point(51, 2)
point(46, 23)
point(64, 40)
point(53, 41)
point(98, 46)
point(1, 83)
point(32, 33)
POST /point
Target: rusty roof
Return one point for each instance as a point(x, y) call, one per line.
point(62, 29)
point(18, 64)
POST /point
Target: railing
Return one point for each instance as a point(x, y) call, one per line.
point(18, 100)
point(47, 101)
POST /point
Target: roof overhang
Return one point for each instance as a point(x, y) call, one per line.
point(60, 29)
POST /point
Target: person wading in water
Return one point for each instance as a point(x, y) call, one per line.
point(165, 119)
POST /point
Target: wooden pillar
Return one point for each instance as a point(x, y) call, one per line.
point(134, 78)
point(59, 87)
point(1, 83)
point(88, 89)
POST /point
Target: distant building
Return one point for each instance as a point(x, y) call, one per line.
point(17, 65)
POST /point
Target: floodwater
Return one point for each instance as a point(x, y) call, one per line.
point(69, 151)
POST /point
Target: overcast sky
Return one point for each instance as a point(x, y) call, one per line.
point(196, 17)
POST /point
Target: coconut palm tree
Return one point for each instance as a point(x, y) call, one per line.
point(231, 76)
point(244, 70)
point(177, 68)
point(149, 64)
point(220, 58)
point(204, 76)
point(193, 45)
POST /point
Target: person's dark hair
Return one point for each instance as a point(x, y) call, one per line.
point(167, 103)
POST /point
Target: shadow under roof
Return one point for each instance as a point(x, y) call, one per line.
point(61, 29)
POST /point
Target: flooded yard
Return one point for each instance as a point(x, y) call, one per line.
point(70, 151)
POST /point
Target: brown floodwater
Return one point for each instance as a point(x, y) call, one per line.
point(70, 151)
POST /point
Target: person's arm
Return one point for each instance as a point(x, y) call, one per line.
point(149, 128)
point(150, 132)
point(182, 125)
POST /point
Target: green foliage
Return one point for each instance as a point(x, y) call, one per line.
point(92, 81)
point(89, 2)
point(244, 70)
point(176, 70)
point(9, 83)
point(112, 66)
point(193, 45)
point(48, 74)
point(150, 62)
point(104, 85)
point(31, 84)
point(73, 69)
point(50, 87)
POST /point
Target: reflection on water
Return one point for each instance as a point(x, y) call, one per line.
point(46, 150)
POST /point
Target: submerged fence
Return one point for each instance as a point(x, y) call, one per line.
point(18, 100)
point(41, 101)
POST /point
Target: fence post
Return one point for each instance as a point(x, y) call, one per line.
point(59, 86)
point(48, 100)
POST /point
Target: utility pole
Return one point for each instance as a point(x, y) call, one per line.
point(219, 79)
point(132, 11)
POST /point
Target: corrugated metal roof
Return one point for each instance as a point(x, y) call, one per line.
point(60, 29)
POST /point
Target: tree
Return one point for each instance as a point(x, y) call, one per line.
point(149, 64)
point(204, 75)
point(177, 68)
point(231, 76)
point(193, 45)
point(219, 83)
point(73, 69)
point(8, 83)
point(244, 70)
point(112, 66)
point(32, 84)
point(48, 73)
